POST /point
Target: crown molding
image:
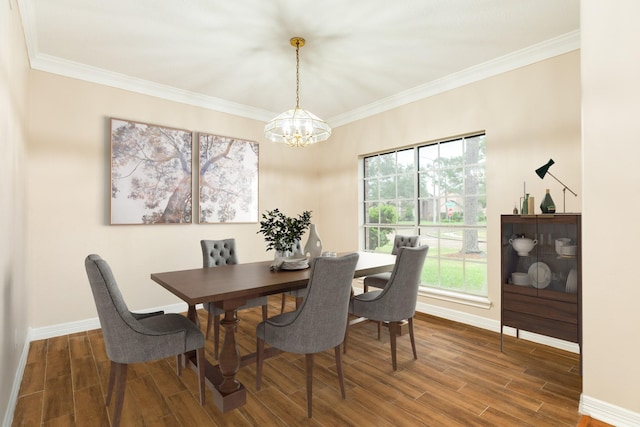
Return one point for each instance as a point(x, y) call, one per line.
point(25, 7)
point(536, 53)
point(55, 65)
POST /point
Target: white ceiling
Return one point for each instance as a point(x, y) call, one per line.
point(361, 56)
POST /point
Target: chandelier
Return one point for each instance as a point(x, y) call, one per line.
point(297, 127)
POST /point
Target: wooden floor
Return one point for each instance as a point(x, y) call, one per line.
point(460, 379)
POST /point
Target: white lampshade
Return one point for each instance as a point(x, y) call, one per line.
point(297, 128)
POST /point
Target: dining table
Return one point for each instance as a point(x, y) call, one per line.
point(229, 287)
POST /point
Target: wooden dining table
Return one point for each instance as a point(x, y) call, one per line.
point(229, 287)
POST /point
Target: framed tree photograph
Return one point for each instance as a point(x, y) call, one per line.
point(228, 186)
point(150, 174)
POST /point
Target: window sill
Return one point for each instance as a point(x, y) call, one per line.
point(455, 297)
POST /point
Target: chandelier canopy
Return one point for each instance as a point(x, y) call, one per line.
point(297, 127)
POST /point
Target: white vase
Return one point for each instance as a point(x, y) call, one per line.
point(313, 247)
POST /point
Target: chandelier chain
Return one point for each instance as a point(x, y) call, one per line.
point(297, 73)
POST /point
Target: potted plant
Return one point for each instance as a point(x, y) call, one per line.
point(282, 232)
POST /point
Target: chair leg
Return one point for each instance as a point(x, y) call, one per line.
point(112, 380)
point(265, 312)
point(393, 333)
point(365, 288)
point(121, 383)
point(284, 301)
point(201, 361)
point(309, 363)
point(216, 336)
point(339, 370)
point(259, 360)
point(346, 335)
point(209, 321)
point(413, 341)
point(179, 358)
point(379, 328)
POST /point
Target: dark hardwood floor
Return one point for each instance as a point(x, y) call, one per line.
point(460, 379)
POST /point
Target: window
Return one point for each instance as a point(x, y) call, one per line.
point(437, 191)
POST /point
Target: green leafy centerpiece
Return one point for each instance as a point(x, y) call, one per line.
point(282, 232)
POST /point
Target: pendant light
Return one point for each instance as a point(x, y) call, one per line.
point(297, 127)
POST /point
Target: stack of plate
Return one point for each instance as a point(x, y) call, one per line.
point(520, 279)
point(295, 263)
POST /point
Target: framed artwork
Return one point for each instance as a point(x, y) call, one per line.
point(150, 174)
point(228, 186)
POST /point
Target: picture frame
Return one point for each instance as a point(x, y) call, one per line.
point(151, 176)
point(228, 179)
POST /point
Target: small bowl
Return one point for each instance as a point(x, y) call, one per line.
point(568, 250)
point(520, 279)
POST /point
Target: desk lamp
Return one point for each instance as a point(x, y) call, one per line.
point(544, 170)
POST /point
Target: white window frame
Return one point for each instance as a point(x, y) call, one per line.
point(462, 295)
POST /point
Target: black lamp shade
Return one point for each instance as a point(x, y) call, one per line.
point(542, 171)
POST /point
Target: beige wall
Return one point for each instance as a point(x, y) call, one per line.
point(13, 133)
point(68, 212)
point(529, 115)
point(611, 149)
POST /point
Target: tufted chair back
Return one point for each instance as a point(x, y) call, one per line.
point(380, 280)
point(218, 252)
point(397, 301)
point(401, 241)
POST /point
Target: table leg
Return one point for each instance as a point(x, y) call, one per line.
point(230, 354)
point(229, 393)
point(193, 315)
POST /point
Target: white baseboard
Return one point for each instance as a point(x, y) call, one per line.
point(595, 408)
point(608, 413)
point(494, 325)
point(36, 334)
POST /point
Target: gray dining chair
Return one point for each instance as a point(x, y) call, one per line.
point(216, 253)
point(380, 280)
point(318, 324)
point(397, 301)
point(135, 338)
